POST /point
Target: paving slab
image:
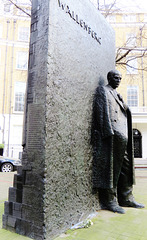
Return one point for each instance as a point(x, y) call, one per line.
point(140, 163)
point(6, 181)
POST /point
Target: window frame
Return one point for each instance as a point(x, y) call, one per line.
point(18, 57)
point(22, 33)
point(111, 18)
point(1, 31)
point(133, 66)
point(135, 95)
point(131, 39)
point(17, 90)
point(129, 18)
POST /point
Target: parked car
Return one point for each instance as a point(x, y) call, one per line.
point(9, 164)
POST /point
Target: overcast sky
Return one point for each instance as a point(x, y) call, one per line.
point(127, 5)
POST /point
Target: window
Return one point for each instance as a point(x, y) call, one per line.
point(132, 96)
point(145, 17)
point(8, 7)
point(111, 18)
point(22, 60)
point(1, 8)
point(131, 39)
point(132, 67)
point(129, 18)
point(21, 13)
point(23, 34)
point(1, 31)
point(19, 96)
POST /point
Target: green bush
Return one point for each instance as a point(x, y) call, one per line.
point(1, 145)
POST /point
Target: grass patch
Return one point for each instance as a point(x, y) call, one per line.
point(7, 235)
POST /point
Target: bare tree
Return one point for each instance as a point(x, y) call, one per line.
point(108, 9)
point(129, 52)
point(132, 48)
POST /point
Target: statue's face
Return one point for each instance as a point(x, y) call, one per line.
point(115, 80)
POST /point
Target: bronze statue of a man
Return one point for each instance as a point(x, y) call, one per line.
point(113, 162)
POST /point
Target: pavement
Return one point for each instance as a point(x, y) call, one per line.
point(106, 225)
point(6, 181)
point(140, 163)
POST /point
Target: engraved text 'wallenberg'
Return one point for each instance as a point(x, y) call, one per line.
point(83, 25)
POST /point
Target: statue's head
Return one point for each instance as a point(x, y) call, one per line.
point(114, 78)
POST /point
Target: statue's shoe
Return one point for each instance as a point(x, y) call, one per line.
point(114, 208)
point(132, 204)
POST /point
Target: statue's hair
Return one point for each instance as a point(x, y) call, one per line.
point(111, 74)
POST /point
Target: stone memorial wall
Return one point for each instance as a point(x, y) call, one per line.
point(72, 48)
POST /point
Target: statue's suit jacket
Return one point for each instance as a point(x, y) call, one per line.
point(110, 118)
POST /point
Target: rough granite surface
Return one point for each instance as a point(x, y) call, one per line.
point(72, 48)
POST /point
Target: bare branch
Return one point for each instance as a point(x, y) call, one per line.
point(126, 64)
point(123, 56)
point(19, 7)
point(132, 48)
point(108, 9)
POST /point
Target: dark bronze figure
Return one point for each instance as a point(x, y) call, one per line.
point(113, 162)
